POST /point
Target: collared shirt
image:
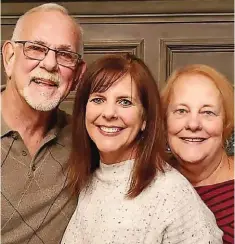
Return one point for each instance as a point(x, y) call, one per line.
point(36, 205)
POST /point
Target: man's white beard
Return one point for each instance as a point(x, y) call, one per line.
point(44, 103)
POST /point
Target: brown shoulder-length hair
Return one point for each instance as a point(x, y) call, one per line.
point(84, 158)
point(223, 85)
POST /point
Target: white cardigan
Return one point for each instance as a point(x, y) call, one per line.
point(168, 211)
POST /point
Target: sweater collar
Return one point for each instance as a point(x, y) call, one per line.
point(115, 172)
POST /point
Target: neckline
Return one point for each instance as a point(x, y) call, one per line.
point(216, 184)
point(116, 172)
point(117, 165)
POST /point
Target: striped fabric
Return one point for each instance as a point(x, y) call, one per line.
point(220, 199)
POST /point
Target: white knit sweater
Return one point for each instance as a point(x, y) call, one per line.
point(168, 211)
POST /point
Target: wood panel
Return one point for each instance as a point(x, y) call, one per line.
point(166, 34)
point(177, 53)
point(95, 49)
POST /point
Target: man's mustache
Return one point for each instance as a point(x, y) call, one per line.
point(52, 77)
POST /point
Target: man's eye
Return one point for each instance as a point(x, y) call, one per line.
point(65, 55)
point(125, 102)
point(36, 48)
point(96, 100)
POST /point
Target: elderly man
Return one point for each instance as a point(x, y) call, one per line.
point(43, 64)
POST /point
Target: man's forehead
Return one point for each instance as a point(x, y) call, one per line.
point(49, 17)
point(50, 12)
point(45, 43)
point(50, 28)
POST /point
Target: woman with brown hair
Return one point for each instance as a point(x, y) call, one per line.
point(199, 111)
point(128, 193)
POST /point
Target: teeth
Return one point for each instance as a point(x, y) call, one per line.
point(109, 129)
point(44, 83)
point(194, 139)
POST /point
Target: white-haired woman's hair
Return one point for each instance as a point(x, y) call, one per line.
point(48, 7)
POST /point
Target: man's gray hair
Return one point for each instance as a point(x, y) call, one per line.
point(48, 7)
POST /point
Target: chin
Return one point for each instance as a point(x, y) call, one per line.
point(42, 102)
point(106, 146)
point(191, 159)
point(107, 150)
point(44, 107)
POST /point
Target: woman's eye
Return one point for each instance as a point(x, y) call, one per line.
point(181, 111)
point(96, 100)
point(125, 102)
point(207, 112)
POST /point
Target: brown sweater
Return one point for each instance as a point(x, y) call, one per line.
point(35, 203)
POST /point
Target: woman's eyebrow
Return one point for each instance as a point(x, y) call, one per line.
point(96, 94)
point(208, 105)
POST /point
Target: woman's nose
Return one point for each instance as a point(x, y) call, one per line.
point(109, 111)
point(194, 122)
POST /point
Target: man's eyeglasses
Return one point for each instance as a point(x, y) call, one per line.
point(37, 51)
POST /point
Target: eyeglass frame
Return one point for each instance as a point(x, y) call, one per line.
point(79, 56)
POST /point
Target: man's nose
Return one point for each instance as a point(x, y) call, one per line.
point(49, 62)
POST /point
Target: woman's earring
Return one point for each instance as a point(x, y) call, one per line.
point(229, 145)
point(143, 126)
point(226, 144)
point(168, 149)
point(142, 136)
point(142, 130)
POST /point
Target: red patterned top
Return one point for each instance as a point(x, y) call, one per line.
point(220, 200)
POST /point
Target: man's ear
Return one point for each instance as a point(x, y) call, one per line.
point(8, 56)
point(79, 73)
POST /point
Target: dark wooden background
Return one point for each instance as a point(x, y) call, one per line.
point(165, 33)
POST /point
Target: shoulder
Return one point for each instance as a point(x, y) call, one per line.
point(174, 188)
point(178, 192)
point(60, 144)
point(63, 118)
point(172, 181)
point(64, 128)
point(178, 196)
point(219, 191)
